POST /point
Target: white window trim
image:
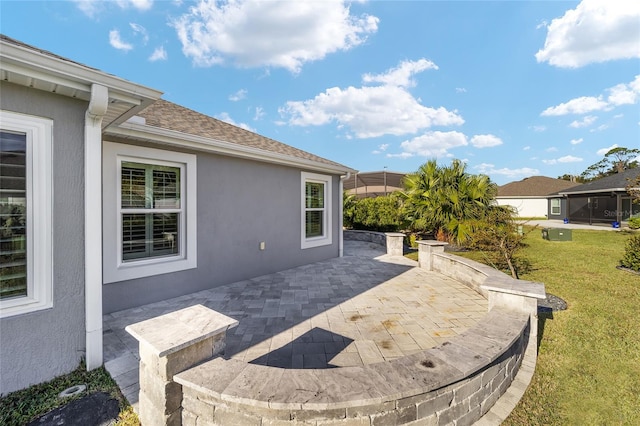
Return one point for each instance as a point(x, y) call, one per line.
point(559, 206)
point(39, 135)
point(325, 239)
point(114, 269)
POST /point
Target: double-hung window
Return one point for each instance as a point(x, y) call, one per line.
point(316, 210)
point(555, 206)
point(25, 213)
point(149, 210)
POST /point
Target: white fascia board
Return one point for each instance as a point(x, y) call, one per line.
point(60, 71)
point(518, 197)
point(199, 143)
point(597, 191)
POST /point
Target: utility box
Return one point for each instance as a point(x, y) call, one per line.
point(556, 234)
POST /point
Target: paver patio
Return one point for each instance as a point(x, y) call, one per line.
point(363, 308)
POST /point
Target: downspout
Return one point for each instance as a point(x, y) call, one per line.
point(341, 212)
point(93, 223)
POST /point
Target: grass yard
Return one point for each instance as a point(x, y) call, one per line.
point(588, 370)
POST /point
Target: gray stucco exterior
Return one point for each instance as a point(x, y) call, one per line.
point(38, 346)
point(563, 207)
point(240, 204)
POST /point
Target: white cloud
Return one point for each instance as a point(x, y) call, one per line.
point(461, 90)
point(565, 159)
point(490, 169)
point(576, 141)
point(552, 149)
point(239, 95)
point(159, 54)
point(117, 42)
point(538, 128)
point(369, 111)
point(620, 94)
point(253, 33)
point(581, 105)
point(526, 148)
point(141, 5)
point(382, 148)
point(625, 94)
point(403, 155)
point(259, 113)
point(485, 141)
point(434, 144)
point(595, 31)
point(600, 128)
point(142, 31)
point(91, 8)
point(402, 74)
point(601, 152)
point(227, 119)
point(585, 122)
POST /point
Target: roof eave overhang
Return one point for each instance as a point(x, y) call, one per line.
point(598, 191)
point(532, 197)
point(32, 68)
point(145, 133)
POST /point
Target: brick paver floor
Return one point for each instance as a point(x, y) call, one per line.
point(363, 308)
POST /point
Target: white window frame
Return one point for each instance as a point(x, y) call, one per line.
point(326, 238)
point(559, 206)
point(114, 268)
point(39, 194)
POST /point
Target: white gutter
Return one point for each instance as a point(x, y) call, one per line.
point(341, 212)
point(93, 223)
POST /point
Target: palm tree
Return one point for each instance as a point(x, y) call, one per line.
point(446, 198)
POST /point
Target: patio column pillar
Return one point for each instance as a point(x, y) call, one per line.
point(425, 251)
point(394, 243)
point(170, 344)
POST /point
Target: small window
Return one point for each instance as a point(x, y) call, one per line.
point(555, 206)
point(149, 211)
point(316, 210)
point(25, 214)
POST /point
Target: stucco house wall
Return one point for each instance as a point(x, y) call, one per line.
point(241, 203)
point(38, 346)
point(525, 207)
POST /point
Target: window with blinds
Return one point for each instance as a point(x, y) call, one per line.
point(150, 209)
point(13, 215)
point(314, 209)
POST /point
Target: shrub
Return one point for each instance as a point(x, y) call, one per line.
point(634, 222)
point(631, 258)
point(377, 214)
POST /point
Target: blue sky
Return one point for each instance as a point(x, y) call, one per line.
point(514, 88)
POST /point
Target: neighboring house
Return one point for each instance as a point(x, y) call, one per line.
point(112, 198)
point(605, 200)
point(373, 184)
point(535, 196)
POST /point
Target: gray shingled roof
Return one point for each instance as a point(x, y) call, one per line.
point(534, 186)
point(614, 182)
point(167, 115)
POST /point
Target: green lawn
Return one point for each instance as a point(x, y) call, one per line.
point(588, 370)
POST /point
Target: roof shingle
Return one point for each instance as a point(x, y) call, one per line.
point(534, 186)
point(617, 181)
point(167, 115)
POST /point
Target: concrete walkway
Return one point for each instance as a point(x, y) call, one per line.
point(570, 225)
point(363, 308)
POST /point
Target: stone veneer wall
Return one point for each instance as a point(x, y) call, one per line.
point(260, 395)
point(393, 242)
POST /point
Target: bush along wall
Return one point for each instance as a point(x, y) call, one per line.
point(376, 214)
